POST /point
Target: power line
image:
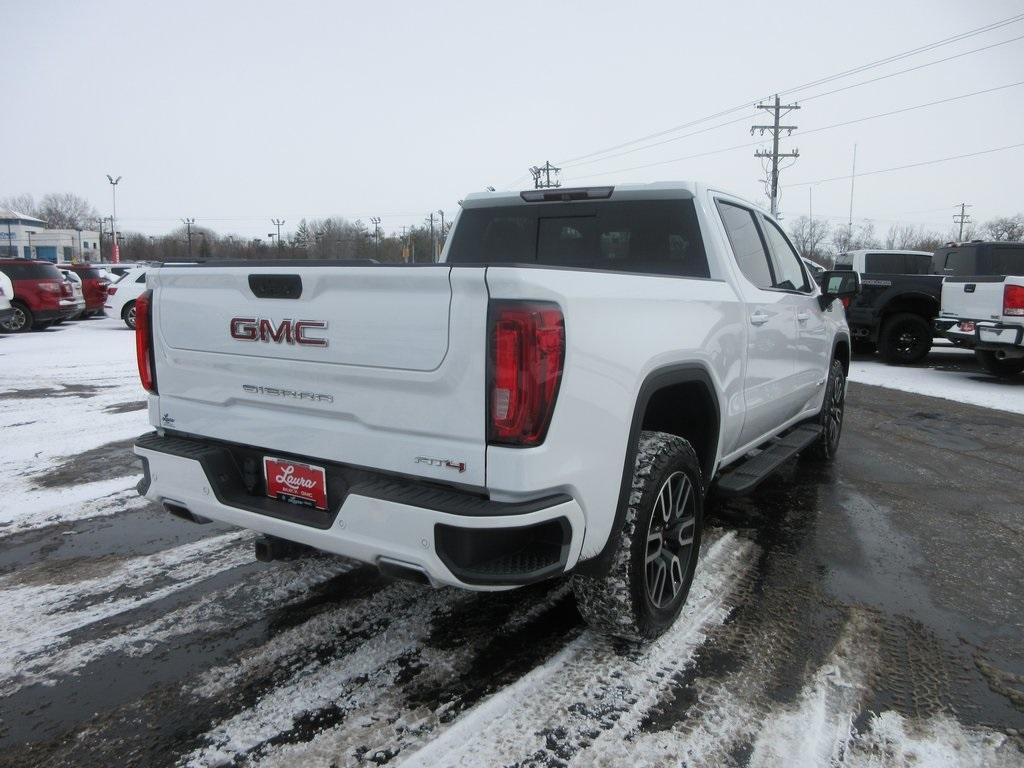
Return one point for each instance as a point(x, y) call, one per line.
point(820, 81)
point(803, 101)
point(909, 165)
point(806, 132)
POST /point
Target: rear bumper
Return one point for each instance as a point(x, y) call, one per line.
point(46, 315)
point(453, 537)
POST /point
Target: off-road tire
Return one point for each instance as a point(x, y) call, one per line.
point(618, 603)
point(21, 322)
point(128, 314)
point(905, 339)
point(830, 419)
point(1003, 368)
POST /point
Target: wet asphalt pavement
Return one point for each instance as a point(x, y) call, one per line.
point(888, 582)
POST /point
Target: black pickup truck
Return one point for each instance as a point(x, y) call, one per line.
point(898, 303)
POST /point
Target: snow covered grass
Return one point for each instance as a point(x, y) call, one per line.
point(64, 391)
point(948, 372)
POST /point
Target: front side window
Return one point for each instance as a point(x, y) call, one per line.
point(746, 242)
point(789, 274)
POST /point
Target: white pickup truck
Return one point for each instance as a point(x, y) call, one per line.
point(557, 395)
point(986, 314)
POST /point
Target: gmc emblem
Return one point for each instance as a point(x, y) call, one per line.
point(287, 331)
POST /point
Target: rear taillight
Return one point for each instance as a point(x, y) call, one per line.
point(1013, 300)
point(144, 340)
point(67, 291)
point(846, 302)
point(111, 290)
point(526, 352)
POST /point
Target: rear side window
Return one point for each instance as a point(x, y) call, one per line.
point(90, 273)
point(747, 246)
point(31, 271)
point(641, 236)
point(898, 263)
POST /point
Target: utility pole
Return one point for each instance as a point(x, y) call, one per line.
point(546, 170)
point(278, 223)
point(778, 110)
point(962, 218)
point(375, 220)
point(115, 252)
point(853, 178)
point(188, 228)
point(432, 247)
point(443, 235)
point(405, 246)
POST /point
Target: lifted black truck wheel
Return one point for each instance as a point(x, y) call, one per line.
point(905, 339)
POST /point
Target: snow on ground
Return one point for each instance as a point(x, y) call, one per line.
point(64, 391)
point(948, 372)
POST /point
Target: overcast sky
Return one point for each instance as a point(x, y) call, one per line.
point(236, 112)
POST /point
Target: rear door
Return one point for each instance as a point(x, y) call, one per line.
point(378, 366)
point(769, 386)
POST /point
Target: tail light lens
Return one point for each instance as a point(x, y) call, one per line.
point(846, 302)
point(111, 290)
point(67, 291)
point(527, 350)
point(1013, 300)
point(144, 341)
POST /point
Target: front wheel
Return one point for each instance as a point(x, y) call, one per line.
point(905, 338)
point(652, 570)
point(1003, 367)
point(831, 416)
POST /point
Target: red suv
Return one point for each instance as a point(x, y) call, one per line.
point(94, 286)
point(38, 290)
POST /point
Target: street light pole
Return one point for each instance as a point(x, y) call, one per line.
point(115, 252)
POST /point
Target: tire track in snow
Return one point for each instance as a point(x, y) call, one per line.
point(225, 609)
point(557, 710)
point(38, 618)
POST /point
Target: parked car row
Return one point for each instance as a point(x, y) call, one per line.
point(37, 294)
point(965, 292)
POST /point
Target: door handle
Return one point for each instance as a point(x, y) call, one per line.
point(759, 318)
point(802, 317)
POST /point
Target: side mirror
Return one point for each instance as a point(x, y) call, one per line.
point(838, 284)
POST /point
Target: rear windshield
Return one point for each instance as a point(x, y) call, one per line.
point(898, 263)
point(90, 273)
point(650, 236)
point(981, 260)
point(31, 271)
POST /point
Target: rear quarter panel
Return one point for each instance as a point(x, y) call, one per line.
point(620, 328)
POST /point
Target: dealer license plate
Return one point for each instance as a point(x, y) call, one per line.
point(295, 482)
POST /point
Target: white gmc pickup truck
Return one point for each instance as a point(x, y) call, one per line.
point(557, 395)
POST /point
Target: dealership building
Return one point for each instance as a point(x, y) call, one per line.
point(26, 237)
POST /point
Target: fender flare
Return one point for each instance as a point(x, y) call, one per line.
point(659, 378)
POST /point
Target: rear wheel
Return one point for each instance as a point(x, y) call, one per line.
point(20, 321)
point(905, 338)
point(999, 366)
point(831, 416)
point(652, 569)
point(128, 314)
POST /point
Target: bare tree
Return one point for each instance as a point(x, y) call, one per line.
point(1004, 228)
point(854, 238)
point(66, 210)
point(23, 203)
point(809, 237)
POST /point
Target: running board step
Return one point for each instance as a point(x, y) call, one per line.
point(748, 475)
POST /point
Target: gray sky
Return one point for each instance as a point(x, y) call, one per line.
point(235, 112)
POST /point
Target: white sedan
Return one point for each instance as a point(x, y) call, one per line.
point(121, 295)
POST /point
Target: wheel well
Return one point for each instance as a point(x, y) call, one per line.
point(842, 354)
point(919, 304)
point(126, 307)
point(688, 410)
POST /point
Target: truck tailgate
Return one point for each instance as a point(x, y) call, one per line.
point(376, 366)
point(972, 298)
